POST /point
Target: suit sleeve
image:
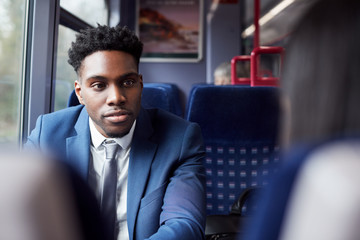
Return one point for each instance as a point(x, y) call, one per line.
point(33, 140)
point(183, 212)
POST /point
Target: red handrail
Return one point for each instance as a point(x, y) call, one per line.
point(264, 81)
point(256, 80)
point(256, 23)
point(234, 79)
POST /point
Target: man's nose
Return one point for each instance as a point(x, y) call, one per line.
point(116, 95)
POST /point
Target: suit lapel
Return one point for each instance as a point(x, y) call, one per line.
point(78, 146)
point(141, 156)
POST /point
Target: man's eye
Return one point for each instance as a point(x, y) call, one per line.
point(129, 83)
point(98, 86)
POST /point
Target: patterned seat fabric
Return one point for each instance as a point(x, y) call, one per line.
point(239, 126)
point(230, 170)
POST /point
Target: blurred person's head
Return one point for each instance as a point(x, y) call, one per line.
point(222, 74)
point(321, 73)
point(44, 199)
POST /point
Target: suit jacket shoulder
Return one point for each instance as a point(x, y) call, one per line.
point(56, 126)
point(56, 132)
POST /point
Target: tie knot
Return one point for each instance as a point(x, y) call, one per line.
point(111, 148)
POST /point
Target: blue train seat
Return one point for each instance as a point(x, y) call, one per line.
point(73, 100)
point(154, 95)
point(162, 95)
point(239, 125)
point(314, 195)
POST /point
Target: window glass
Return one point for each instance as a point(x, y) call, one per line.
point(91, 11)
point(65, 74)
point(12, 21)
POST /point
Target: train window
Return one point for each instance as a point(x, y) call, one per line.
point(90, 11)
point(65, 74)
point(12, 39)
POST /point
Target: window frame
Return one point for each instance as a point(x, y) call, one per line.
point(38, 89)
point(39, 63)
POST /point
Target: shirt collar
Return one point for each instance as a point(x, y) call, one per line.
point(97, 138)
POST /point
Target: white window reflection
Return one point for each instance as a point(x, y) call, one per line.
point(91, 11)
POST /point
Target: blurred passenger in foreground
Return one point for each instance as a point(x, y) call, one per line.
point(42, 199)
point(316, 195)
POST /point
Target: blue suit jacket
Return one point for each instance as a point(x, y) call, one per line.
point(166, 196)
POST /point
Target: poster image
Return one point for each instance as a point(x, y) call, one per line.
point(171, 30)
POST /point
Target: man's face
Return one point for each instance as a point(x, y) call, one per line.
point(110, 88)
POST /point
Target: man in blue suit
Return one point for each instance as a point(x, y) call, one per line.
point(160, 179)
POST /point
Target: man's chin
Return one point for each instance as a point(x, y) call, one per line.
point(117, 134)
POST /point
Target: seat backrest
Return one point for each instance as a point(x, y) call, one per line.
point(154, 95)
point(239, 125)
point(162, 95)
point(73, 100)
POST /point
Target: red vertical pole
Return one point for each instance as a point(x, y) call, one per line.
point(256, 22)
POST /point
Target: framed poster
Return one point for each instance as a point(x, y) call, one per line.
point(171, 30)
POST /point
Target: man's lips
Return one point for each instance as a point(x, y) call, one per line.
point(117, 116)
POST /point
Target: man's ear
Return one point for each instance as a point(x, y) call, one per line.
point(78, 92)
point(141, 81)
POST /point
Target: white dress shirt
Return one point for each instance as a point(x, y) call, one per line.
point(95, 172)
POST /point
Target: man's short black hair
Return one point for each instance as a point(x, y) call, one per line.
point(103, 38)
